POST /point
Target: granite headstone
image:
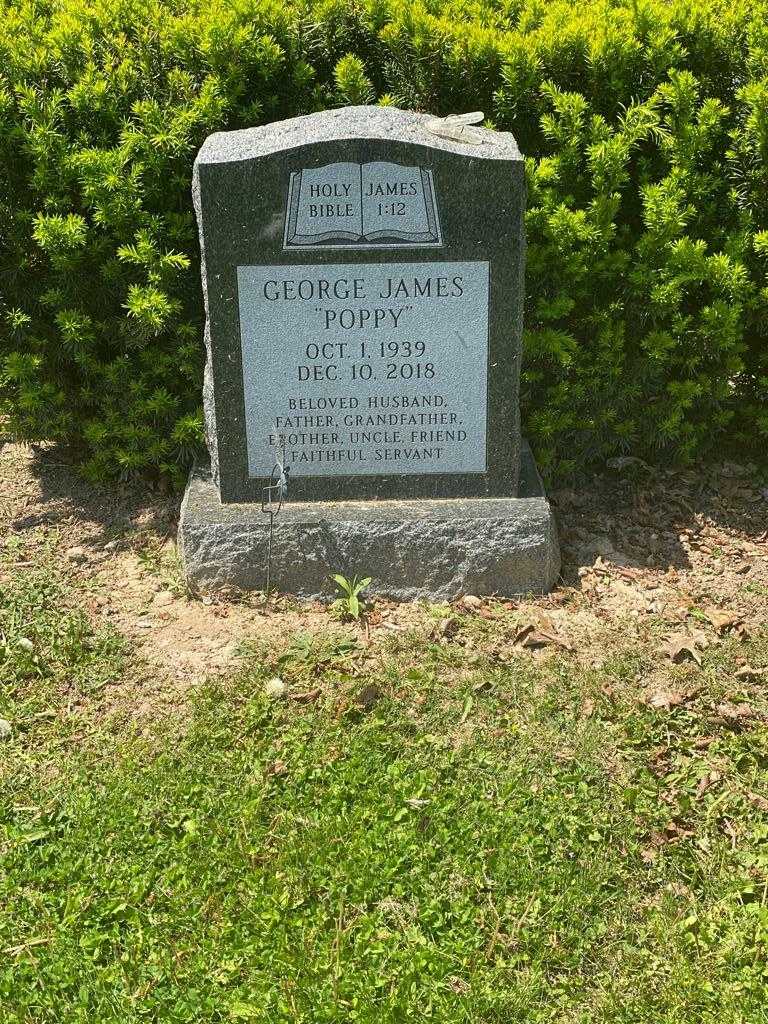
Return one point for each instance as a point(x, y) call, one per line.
point(363, 280)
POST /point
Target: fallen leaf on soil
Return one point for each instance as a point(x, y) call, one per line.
point(533, 635)
point(748, 672)
point(681, 648)
point(706, 782)
point(665, 699)
point(736, 712)
point(307, 696)
point(722, 620)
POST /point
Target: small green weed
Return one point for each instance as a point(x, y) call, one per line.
point(349, 605)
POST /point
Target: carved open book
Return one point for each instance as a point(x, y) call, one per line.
point(374, 204)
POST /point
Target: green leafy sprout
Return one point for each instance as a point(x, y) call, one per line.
point(348, 604)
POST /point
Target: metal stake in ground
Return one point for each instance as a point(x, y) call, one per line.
point(272, 498)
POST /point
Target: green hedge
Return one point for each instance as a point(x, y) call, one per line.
point(646, 127)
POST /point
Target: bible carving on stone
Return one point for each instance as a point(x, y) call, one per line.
point(371, 205)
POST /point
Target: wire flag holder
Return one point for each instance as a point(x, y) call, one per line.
point(273, 495)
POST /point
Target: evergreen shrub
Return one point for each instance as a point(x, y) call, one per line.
point(644, 123)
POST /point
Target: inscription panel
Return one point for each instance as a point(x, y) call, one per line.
point(365, 369)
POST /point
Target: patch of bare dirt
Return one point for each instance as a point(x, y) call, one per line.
point(684, 553)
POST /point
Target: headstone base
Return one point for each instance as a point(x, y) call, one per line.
point(435, 549)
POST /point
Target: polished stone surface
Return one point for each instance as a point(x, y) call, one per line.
point(242, 184)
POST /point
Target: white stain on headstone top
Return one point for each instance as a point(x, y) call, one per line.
point(365, 368)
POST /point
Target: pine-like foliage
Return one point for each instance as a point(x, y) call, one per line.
point(645, 124)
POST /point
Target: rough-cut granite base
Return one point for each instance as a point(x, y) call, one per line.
point(434, 549)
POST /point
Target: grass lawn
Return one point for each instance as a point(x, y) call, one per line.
point(450, 824)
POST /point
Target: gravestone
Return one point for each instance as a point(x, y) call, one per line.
point(363, 280)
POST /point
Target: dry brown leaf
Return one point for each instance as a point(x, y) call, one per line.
point(665, 699)
point(721, 619)
point(681, 648)
point(531, 638)
point(538, 634)
point(748, 672)
point(307, 696)
point(707, 781)
point(736, 712)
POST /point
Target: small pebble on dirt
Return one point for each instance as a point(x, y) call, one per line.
point(5, 729)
